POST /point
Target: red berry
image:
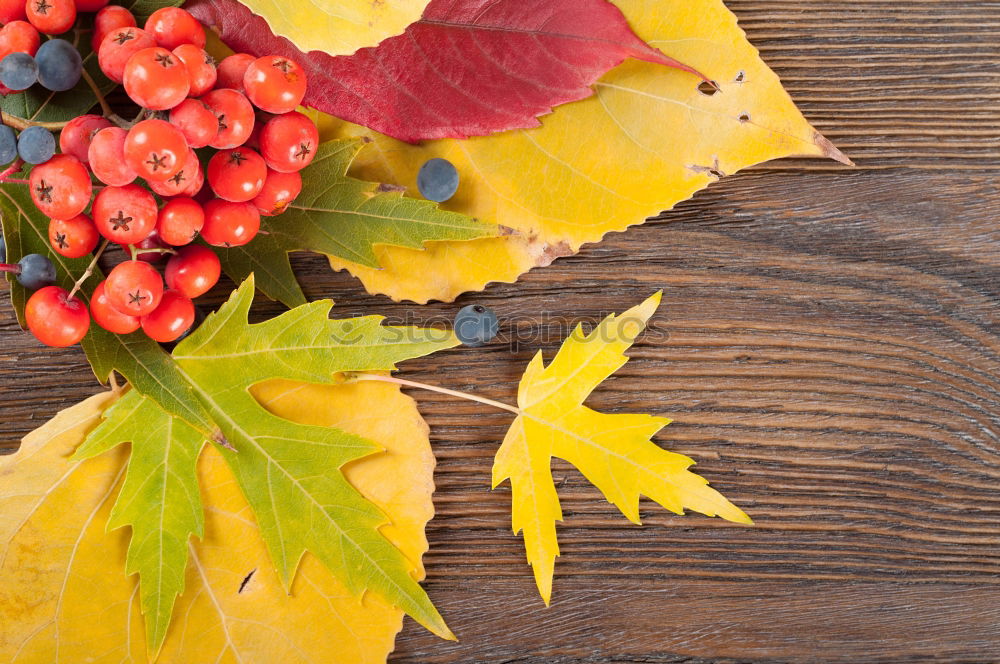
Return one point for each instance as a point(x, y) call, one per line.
point(75, 137)
point(182, 180)
point(73, 238)
point(110, 18)
point(11, 10)
point(198, 124)
point(200, 68)
point(90, 5)
point(151, 241)
point(53, 17)
point(237, 174)
point(118, 46)
point(193, 271)
point(173, 26)
point(195, 184)
point(279, 190)
point(235, 116)
point(156, 79)
point(61, 187)
point(232, 70)
point(169, 321)
point(125, 215)
point(155, 149)
point(288, 142)
point(275, 84)
point(107, 157)
point(19, 37)
point(179, 222)
point(55, 318)
point(134, 288)
point(230, 224)
point(107, 316)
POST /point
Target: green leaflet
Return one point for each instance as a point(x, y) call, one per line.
point(341, 216)
point(141, 360)
point(159, 500)
point(290, 473)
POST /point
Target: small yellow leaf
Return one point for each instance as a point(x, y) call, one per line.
point(614, 452)
point(64, 595)
point(648, 139)
point(337, 27)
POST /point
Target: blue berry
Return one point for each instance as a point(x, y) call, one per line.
point(437, 180)
point(59, 65)
point(36, 272)
point(3, 248)
point(476, 325)
point(8, 145)
point(18, 71)
point(36, 145)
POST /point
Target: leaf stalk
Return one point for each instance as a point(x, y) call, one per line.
point(435, 388)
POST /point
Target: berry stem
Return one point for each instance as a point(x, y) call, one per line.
point(21, 124)
point(10, 170)
point(89, 271)
point(13, 268)
point(155, 250)
point(433, 388)
point(105, 108)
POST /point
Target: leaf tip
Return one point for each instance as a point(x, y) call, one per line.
point(830, 151)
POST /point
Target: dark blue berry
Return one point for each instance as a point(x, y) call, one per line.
point(476, 325)
point(36, 145)
point(59, 65)
point(437, 180)
point(3, 248)
point(8, 145)
point(37, 271)
point(18, 71)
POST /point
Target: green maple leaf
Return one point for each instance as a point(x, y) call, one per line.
point(135, 356)
point(290, 473)
point(340, 216)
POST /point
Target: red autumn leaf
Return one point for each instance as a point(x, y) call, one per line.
point(467, 68)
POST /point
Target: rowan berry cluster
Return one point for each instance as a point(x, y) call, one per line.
point(156, 195)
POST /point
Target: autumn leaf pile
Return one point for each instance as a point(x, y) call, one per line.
point(267, 457)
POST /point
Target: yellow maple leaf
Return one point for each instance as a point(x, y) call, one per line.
point(337, 27)
point(64, 595)
point(614, 452)
point(648, 138)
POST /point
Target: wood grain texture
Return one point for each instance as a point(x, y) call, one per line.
point(829, 349)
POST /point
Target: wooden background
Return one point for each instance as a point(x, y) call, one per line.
point(829, 350)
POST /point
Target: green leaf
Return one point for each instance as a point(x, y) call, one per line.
point(340, 216)
point(159, 500)
point(291, 474)
point(138, 358)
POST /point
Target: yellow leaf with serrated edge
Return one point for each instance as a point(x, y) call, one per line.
point(614, 452)
point(648, 139)
point(337, 27)
point(64, 594)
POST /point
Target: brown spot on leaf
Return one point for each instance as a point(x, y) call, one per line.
point(714, 170)
point(245, 581)
point(386, 188)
